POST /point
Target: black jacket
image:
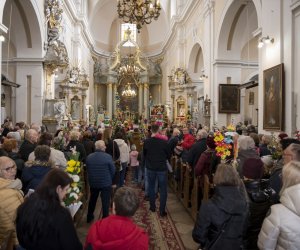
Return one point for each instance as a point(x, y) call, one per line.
point(79, 148)
point(26, 148)
point(260, 199)
point(89, 146)
point(112, 148)
point(156, 153)
point(227, 204)
point(196, 150)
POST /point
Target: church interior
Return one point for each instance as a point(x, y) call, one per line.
point(184, 63)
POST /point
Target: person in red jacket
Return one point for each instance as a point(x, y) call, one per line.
point(188, 139)
point(118, 231)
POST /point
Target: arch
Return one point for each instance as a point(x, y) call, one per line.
point(235, 17)
point(196, 61)
point(26, 27)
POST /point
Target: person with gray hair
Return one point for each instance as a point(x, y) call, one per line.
point(198, 148)
point(246, 150)
point(75, 143)
point(29, 144)
point(101, 170)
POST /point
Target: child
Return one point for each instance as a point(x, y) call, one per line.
point(133, 161)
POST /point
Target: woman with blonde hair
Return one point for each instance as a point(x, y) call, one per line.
point(221, 221)
point(280, 230)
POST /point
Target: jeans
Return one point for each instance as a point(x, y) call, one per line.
point(122, 174)
point(105, 200)
point(146, 180)
point(162, 178)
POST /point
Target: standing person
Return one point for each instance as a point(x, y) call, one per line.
point(29, 144)
point(11, 197)
point(156, 153)
point(87, 142)
point(280, 230)
point(34, 172)
point(134, 163)
point(221, 221)
point(42, 222)
point(118, 230)
point(101, 170)
point(75, 143)
point(124, 156)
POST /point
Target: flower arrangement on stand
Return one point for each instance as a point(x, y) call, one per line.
point(223, 145)
point(275, 147)
point(73, 195)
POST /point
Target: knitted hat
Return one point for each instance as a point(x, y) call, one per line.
point(210, 142)
point(282, 136)
point(253, 168)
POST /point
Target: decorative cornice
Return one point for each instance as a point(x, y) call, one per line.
point(295, 5)
point(3, 28)
point(235, 63)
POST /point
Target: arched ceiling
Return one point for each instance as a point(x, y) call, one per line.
point(105, 26)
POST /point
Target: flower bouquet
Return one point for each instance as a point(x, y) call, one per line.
point(73, 169)
point(275, 147)
point(223, 145)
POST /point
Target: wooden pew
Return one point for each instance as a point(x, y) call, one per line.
point(188, 180)
point(195, 198)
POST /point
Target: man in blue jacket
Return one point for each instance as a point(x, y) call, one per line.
point(101, 170)
point(156, 153)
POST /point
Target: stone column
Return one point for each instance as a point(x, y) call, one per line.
point(83, 114)
point(109, 99)
point(114, 98)
point(146, 100)
point(140, 98)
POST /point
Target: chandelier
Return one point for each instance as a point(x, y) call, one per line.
point(128, 68)
point(128, 92)
point(139, 12)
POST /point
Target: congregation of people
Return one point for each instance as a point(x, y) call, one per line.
point(253, 196)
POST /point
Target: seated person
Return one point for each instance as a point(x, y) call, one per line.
point(118, 231)
point(11, 197)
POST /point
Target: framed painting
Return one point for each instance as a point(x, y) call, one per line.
point(229, 98)
point(273, 115)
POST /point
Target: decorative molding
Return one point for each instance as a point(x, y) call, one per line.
point(295, 5)
point(235, 63)
point(3, 28)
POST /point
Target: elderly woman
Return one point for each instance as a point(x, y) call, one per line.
point(42, 222)
point(11, 147)
point(280, 230)
point(76, 144)
point(34, 171)
point(11, 197)
point(221, 221)
point(246, 150)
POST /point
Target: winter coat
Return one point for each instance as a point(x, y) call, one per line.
point(124, 150)
point(260, 199)
point(58, 231)
point(156, 152)
point(227, 204)
point(195, 152)
point(280, 230)
point(11, 197)
point(133, 155)
point(173, 142)
point(100, 168)
point(276, 179)
point(19, 162)
point(116, 232)
point(26, 148)
point(203, 165)
point(89, 146)
point(188, 141)
point(112, 149)
point(56, 157)
point(243, 155)
point(33, 174)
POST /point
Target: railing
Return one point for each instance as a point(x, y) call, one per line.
point(190, 190)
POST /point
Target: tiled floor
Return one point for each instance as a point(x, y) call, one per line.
point(182, 220)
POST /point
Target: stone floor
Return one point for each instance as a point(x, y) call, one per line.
point(182, 220)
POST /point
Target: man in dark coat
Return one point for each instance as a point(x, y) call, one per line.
point(198, 148)
point(101, 170)
point(29, 144)
point(156, 153)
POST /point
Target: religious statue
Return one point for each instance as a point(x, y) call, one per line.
point(59, 112)
point(53, 17)
point(74, 75)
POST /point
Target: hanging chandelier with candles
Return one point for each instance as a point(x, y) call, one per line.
point(128, 92)
point(129, 68)
point(139, 12)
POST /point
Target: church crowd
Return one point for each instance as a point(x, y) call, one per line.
point(253, 196)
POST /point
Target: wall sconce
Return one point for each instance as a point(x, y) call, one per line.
point(265, 40)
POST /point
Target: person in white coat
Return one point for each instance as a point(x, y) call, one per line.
point(124, 157)
point(280, 230)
